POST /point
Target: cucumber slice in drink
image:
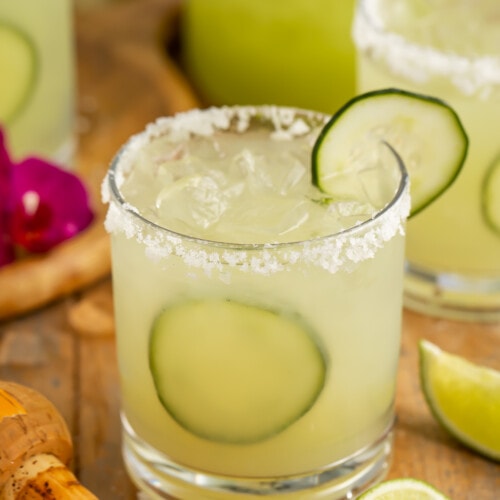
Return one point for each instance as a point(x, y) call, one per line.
point(491, 196)
point(18, 69)
point(231, 372)
point(424, 130)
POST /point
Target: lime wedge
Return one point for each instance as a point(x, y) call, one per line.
point(491, 196)
point(403, 489)
point(18, 69)
point(425, 131)
point(464, 398)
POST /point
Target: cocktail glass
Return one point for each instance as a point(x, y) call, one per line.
point(37, 78)
point(449, 49)
point(293, 52)
point(258, 322)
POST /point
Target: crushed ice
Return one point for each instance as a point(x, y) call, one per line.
point(331, 253)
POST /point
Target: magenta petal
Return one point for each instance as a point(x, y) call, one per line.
point(5, 174)
point(5, 164)
point(47, 205)
point(6, 247)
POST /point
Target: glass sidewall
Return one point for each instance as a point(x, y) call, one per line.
point(453, 269)
point(354, 411)
point(43, 124)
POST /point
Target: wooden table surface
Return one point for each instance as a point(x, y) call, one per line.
point(66, 347)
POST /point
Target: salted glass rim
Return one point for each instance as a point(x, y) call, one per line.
point(418, 62)
point(112, 195)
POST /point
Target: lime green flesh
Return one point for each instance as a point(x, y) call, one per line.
point(18, 70)
point(464, 397)
point(491, 196)
point(231, 372)
point(403, 489)
point(424, 131)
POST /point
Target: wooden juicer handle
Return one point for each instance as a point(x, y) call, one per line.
point(35, 448)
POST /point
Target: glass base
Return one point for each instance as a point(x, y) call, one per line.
point(452, 296)
point(159, 478)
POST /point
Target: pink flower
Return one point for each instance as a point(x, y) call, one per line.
point(41, 205)
point(6, 245)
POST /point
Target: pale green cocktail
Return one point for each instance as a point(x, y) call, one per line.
point(37, 77)
point(449, 50)
point(258, 322)
point(288, 52)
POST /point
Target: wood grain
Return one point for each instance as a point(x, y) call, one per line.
point(423, 449)
point(66, 348)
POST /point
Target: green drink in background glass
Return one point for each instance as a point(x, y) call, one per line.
point(449, 49)
point(286, 52)
point(37, 86)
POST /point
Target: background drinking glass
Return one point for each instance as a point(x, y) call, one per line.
point(258, 327)
point(289, 52)
point(450, 49)
point(37, 78)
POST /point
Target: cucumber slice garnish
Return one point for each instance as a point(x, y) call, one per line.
point(425, 131)
point(231, 372)
point(18, 67)
point(491, 196)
